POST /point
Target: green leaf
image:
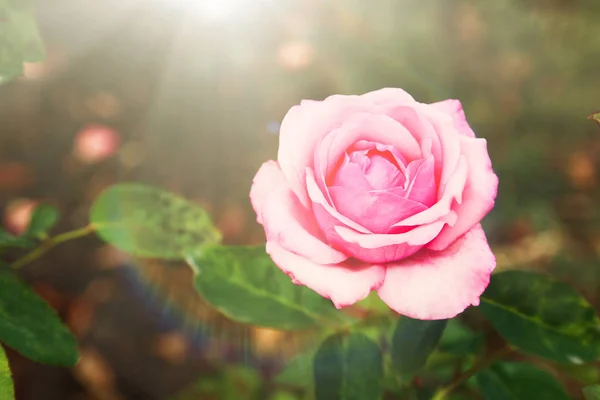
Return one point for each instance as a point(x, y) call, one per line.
point(43, 219)
point(31, 327)
point(19, 37)
point(412, 343)
point(9, 240)
point(6, 383)
point(245, 285)
point(519, 381)
point(148, 222)
point(460, 340)
point(595, 117)
point(591, 392)
point(542, 316)
point(298, 372)
point(348, 367)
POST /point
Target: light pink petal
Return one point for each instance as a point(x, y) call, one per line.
point(418, 236)
point(351, 174)
point(439, 285)
point(422, 186)
point(373, 128)
point(452, 192)
point(268, 179)
point(326, 214)
point(478, 195)
point(375, 210)
point(418, 125)
point(455, 110)
point(389, 95)
point(344, 284)
point(301, 130)
point(285, 220)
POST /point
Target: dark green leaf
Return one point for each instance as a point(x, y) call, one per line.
point(245, 285)
point(31, 327)
point(348, 367)
point(148, 222)
point(412, 343)
point(43, 219)
point(542, 316)
point(460, 340)
point(519, 381)
point(9, 240)
point(19, 37)
point(591, 392)
point(6, 383)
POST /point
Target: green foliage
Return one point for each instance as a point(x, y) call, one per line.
point(20, 40)
point(542, 316)
point(591, 392)
point(8, 240)
point(459, 340)
point(6, 384)
point(298, 372)
point(245, 285)
point(519, 381)
point(412, 343)
point(148, 222)
point(234, 383)
point(44, 217)
point(31, 327)
point(348, 367)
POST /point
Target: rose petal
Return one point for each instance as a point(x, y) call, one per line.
point(478, 195)
point(376, 210)
point(422, 187)
point(389, 95)
point(455, 110)
point(285, 220)
point(268, 178)
point(303, 127)
point(364, 127)
point(451, 192)
point(440, 285)
point(343, 284)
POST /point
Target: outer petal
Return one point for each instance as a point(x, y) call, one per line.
point(389, 95)
point(455, 110)
point(344, 284)
point(478, 195)
point(303, 127)
point(285, 220)
point(439, 285)
point(267, 179)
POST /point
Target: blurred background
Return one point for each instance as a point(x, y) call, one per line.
point(188, 95)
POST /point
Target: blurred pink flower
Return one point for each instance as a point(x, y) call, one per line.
point(94, 143)
point(380, 192)
point(18, 215)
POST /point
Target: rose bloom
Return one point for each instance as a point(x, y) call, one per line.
point(380, 192)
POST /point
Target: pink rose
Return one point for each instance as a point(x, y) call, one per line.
point(380, 192)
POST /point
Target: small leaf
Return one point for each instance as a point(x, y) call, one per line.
point(591, 392)
point(6, 383)
point(8, 240)
point(519, 381)
point(245, 285)
point(298, 372)
point(43, 219)
point(20, 37)
point(348, 368)
point(148, 222)
point(412, 343)
point(542, 316)
point(31, 327)
point(595, 117)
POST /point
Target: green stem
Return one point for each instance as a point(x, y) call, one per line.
point(51, 243)
point(481, 365)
